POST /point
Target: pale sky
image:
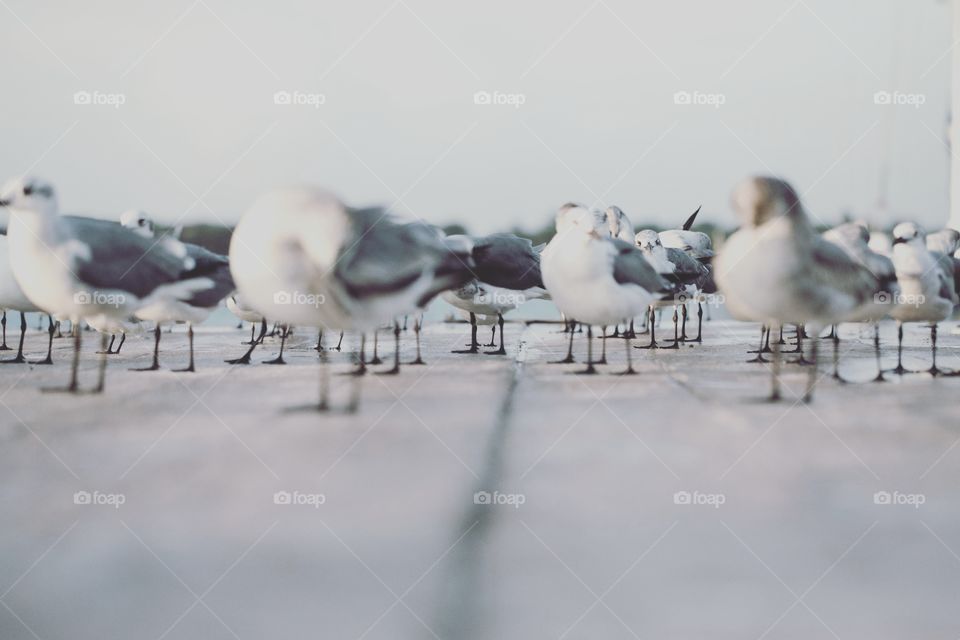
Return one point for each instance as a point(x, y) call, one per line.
point(398, 125)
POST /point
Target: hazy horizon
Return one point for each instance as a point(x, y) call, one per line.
point(593, 106)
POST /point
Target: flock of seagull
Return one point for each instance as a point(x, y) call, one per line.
point(300, 257)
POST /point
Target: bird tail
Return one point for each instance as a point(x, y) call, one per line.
point(689, 223)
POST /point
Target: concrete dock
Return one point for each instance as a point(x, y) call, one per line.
point(479, 496)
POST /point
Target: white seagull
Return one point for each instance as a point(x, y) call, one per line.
point(777, 269)
point(84, 268)
point(192, 309)
point(926, 284)
point(301, 257)
point(596, 279)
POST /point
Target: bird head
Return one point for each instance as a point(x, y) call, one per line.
point(29, 194)
point(137, 221)
point(648, 240)
point(759, 199)
point(907, 233)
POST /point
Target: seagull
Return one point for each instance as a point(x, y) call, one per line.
point(506, 274)
point(85, 268)
point(13, 298)
point(698, 246)
point(619, 224)
point(854, 239)
point(776, 269)
point(927, 288)
point(302, 257)
point(686, 276)
point(881, 242)
point(192, 309)
point(596, 279)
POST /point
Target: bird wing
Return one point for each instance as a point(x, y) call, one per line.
point(630, 267)
point(110, 256)
point(686, 269)
point(833, 269)
point(207, 264)
point(507, 261)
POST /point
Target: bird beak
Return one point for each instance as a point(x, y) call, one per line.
point(897, 241)
point(4, 203)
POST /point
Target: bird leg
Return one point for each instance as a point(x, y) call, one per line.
point(764, 332)
point(109, 350)
point(284, 332)
point(502, 351)
point(676, 335)
point(699, 337)
point(405, 322)
point(569, 357)
point(50, 331)
point(782, 341)
point(19, 359)
point(395, 369)
point(123, 338)
point(650, 323)
point(876, 348)
point(156, 351)
point(474, 345)
point(493, 336)
point(630, 334)
point(190, 368)
point(812, 375)
point(775, 371)
point(323, 404)
point(683, 326)
point(836, 357)
point(102, 368)
point(253, 329)
point(376, 357)
point(603, 349)
point(245, 358)
point(3, 323)
point(339, 342)
point(801, 359)
point(72, 387)
point(590, 370)
point(319, 346)
point(361, 368)
point(900, 370)
point(417, 327)
point(629, 371)
point(933, 370)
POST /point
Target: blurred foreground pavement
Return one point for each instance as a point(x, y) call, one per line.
point(480, 496)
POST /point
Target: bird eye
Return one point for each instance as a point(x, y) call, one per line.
point(141, 222)
point(27, 189)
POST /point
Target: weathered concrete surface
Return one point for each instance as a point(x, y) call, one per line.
point(399, 549)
